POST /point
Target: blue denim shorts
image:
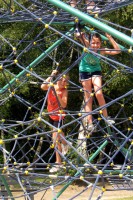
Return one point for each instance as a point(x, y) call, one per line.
point(88, 75)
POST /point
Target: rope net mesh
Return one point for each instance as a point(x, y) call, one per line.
point(27, 151)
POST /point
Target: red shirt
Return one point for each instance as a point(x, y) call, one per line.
point(53, 105)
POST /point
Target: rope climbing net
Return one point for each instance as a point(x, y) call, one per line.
point(37, 37)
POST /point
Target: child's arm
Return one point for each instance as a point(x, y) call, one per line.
point(82, 38)
point(114, 44)
point(63, 100)
point(45, 84)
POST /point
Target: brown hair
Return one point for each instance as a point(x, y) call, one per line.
point(66, 76)
point(97, 35)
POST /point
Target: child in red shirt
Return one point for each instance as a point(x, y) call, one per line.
point(57, 100)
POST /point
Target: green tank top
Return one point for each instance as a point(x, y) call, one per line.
point(90, 63)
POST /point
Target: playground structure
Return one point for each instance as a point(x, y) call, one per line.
point(92, 158)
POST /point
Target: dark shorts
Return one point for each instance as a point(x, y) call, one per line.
point(88, 75)
point(56, 123)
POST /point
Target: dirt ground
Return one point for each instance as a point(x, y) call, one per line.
point(73, 190)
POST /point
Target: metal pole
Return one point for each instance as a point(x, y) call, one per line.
point(90, 159)
point(35, 62)
point(7, 188)
point(94, 22)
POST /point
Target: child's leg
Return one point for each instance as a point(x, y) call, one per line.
point(73, 3)
point(61, 139)
point(58, 158)
point(97, 83)
point(91, 6)
point(56, 142)
point(87, 85)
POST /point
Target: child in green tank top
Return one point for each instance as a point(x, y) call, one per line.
point(90, 72)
